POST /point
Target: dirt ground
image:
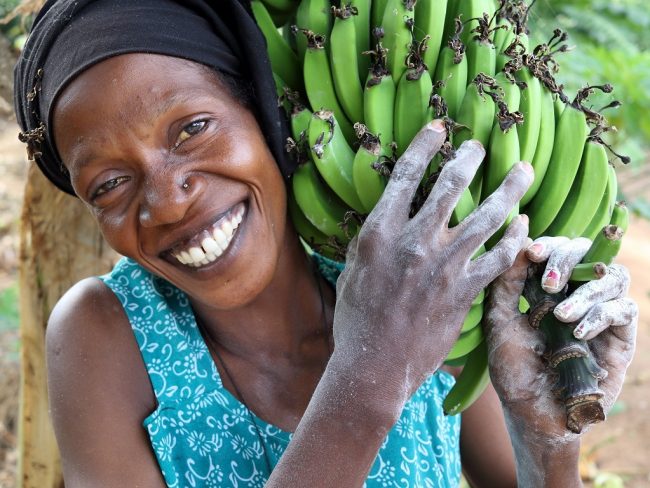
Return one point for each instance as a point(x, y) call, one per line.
point(620, 446)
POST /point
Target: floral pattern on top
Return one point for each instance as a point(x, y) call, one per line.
point(203, 436)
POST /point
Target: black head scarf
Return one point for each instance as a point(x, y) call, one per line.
point(69, 36)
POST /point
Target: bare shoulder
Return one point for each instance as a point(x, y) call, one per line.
point(89, 331)
point(99, 390)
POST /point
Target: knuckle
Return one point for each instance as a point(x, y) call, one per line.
point(371, 235)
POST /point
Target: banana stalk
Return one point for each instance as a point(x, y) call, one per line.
point(578, 373)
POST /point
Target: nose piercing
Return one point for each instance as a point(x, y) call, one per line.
point(186, 185)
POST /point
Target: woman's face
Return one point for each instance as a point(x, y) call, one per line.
point(177, 173)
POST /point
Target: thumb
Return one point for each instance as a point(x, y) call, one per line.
point(507, 288)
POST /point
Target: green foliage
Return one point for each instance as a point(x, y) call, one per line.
point(9, 308)
point(611, 44)
point(7, 6)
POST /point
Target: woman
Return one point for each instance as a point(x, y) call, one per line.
point(218, 340)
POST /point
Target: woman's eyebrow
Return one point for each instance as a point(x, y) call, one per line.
point(176, 99)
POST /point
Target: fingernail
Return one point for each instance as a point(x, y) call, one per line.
point(579, 332)
point(551, 279)
point(536, 249)
point(562, 311)
point(438, 125)
point(527, 167)
point(524, 218)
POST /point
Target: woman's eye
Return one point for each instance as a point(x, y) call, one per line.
point(191, 129)
point(109, 185)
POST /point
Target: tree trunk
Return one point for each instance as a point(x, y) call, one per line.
point(59, 245)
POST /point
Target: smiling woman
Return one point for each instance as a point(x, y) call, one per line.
point(218, 352)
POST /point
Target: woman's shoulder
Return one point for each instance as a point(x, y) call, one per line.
point(90, 344)
point(89, 304)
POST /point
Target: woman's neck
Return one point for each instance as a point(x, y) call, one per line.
point(292, 311)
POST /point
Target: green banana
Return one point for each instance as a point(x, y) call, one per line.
point(379, 106)
point(502, 58)
point(607, 243)
point(319, 84)
point(430, 21)
point(588, 271)
point(471, 9)
point(511, 92)
point(605, 208)
point(502, 33)
point(558, 106)
point(411, 105)
point(463, 208)
point(362, 35)
point(314, 16)
point(476, 116)
point(343, 60)
point(283, 60)
point(306, 230)
point(451, 79)
point(284, 6)
point(473, 318)
point(582, 201)
point(570, 137)
point(377, 10)
point(333, 157)
point(467, 342)
point(471, 383)
point(544, 145)
point(368, 182)
point(398, 14)
point(300, 118)
point(318, 203)
point(481, 58)
point(503, 155)
point(530, 107)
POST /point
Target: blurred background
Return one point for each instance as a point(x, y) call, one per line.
point(610, 42)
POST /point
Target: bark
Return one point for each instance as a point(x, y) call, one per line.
point(59, 245)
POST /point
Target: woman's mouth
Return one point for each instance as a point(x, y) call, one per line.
point(210, 243)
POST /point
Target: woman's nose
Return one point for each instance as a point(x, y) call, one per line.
point(167, 198)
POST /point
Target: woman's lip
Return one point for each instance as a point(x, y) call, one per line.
point(210, 243)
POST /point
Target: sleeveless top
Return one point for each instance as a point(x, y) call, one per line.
point(202, 436)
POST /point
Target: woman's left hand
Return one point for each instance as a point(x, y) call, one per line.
point(605, 316)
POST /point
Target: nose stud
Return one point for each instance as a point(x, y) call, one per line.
point(186, 185)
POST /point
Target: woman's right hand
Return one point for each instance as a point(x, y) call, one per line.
point(409, 282)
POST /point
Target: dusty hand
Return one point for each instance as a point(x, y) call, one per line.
point(603, 313)
point(409, 282)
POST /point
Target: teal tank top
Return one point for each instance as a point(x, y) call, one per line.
point(203, 436)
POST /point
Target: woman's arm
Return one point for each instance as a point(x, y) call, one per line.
point(546, 450)
point(99, 392)
point(485, 447)
point(401, 300)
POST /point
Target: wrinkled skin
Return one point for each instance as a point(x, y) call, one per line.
point(422, 254)
point(518, 372)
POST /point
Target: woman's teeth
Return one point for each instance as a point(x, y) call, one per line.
point(214, 241)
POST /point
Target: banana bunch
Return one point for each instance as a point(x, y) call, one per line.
point(359, 78)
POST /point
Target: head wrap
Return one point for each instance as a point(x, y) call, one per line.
point(69, 36)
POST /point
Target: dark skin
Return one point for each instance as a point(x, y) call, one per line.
point(130, 144)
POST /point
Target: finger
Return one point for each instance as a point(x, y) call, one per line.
point(407, 174)
point(454, 178)
point(493, 212)
point(485, 269)
point(611, 286)
point(542, 247)
point(562, 261)
point(614, 313)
